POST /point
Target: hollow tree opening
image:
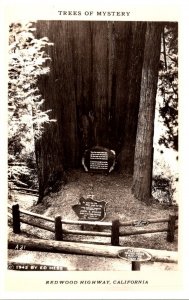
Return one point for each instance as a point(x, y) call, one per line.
point(93, 90)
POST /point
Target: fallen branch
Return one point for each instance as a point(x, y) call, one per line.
point(24, 189)
point(84, 249)
point(18, 182)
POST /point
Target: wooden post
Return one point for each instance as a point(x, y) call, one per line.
point(58, 228)
point(115, 233)
point(171, 228)
point(135, 265)
point(16, 218)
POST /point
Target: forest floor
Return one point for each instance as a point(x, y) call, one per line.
point(115, 190)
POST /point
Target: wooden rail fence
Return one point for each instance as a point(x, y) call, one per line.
point(114, 227)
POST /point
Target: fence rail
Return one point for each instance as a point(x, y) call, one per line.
point(149, 221)
point(86, 232)
point(114, 227)
point(98, 223)
point(25, 212)
point(32, 223)
point(143, 231)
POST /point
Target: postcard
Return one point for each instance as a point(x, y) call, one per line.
point(93, 181)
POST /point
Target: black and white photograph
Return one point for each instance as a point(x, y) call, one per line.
point(93, 152)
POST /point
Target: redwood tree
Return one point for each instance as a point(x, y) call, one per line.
point(94, 90)
point(144, 141)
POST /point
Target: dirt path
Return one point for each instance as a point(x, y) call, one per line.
point(115, 189)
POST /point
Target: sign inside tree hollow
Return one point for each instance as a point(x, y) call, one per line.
point(99, 159)
point(90, 210)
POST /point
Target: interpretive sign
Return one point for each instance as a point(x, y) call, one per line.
point(132, 254)
point(99, 159)
point(90, 210)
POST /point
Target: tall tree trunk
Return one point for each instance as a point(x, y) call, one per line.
point(131, 95)
point(144, 141)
